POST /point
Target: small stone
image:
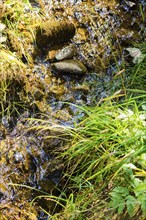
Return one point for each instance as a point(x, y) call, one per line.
point(66, 53)
point(70, 67)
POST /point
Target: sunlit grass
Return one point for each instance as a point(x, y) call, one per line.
point(110, 137)
point(97, 156)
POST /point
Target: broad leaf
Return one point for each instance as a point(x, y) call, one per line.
point(121, 191)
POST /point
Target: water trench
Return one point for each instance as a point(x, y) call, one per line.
point(27, 157)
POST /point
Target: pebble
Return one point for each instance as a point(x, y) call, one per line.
point(66, 53)
point(69, 66)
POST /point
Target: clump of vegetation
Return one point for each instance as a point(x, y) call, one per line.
point(105, 162)
point(16, 50)
point(20, 19)
point(12, 77)
point(106, 156)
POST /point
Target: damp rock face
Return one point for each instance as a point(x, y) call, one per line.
point(52, 32)
point(70, 67)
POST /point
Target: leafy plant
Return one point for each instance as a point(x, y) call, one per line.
point(122, 198)
point(131, 196)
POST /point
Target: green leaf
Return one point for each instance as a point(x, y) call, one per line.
point(142, 200)
point(114, 203)
point(123, 191)
point(143, 205)
point(115, 195)
point(141, 187)
point(117, 204)
point(131, 204)
point(121, 207)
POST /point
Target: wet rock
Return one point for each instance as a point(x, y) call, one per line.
point(66, 53)
point(70, 67)
point(54, 32)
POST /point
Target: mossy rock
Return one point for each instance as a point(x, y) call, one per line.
point(53, 32)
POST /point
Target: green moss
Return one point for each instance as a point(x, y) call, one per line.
point(53, 32)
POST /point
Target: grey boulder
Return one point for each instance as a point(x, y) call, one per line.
point(70, 67)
